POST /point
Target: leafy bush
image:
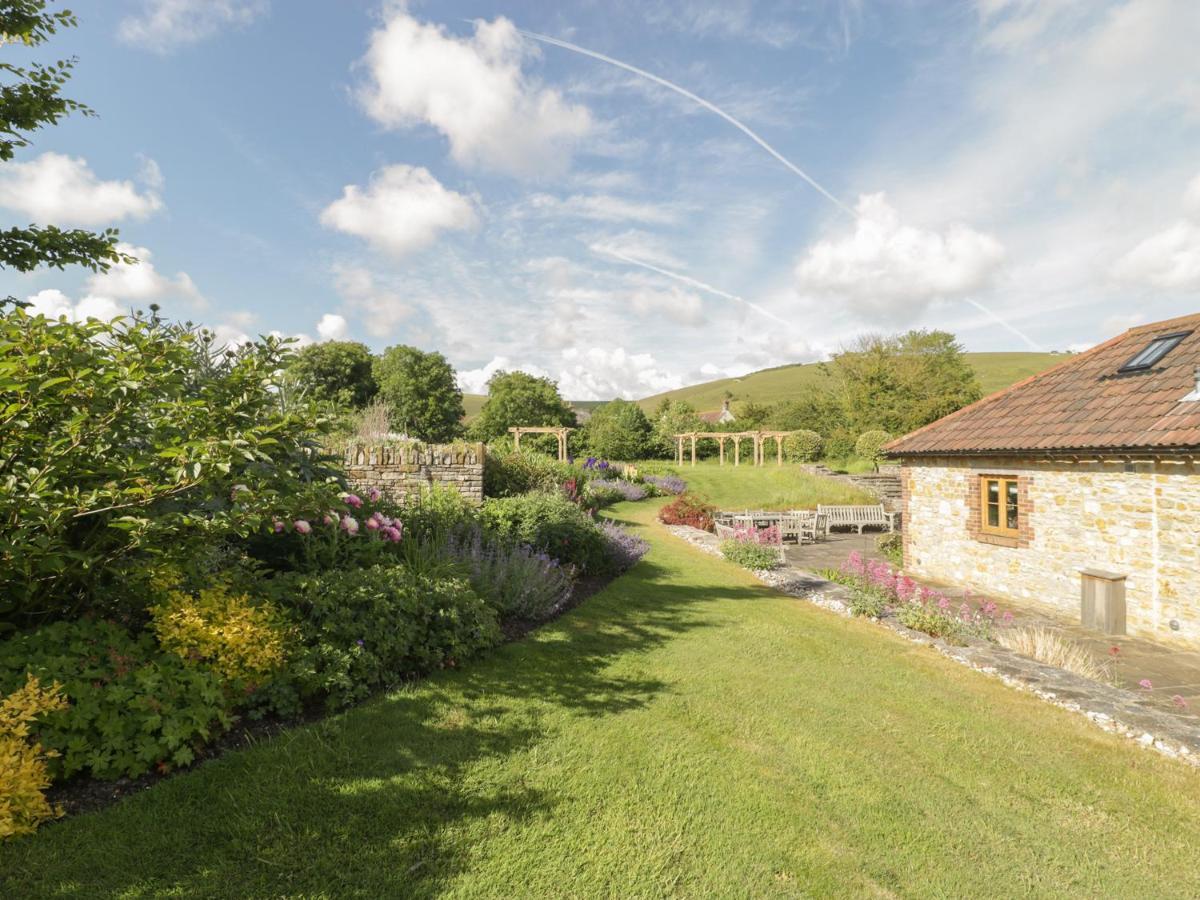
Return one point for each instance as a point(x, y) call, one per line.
point(24, 775)
point(123, 441)
point(550, 523)
point(243, 641)
point(803, 447)
point(869, 445)
point(515, 580)
point(688, 509)
point(751, 554)
point(132, 707)
point(891, 545)
point(666, 484)
point(619, 430)
point(624, 548)
point(370, 627)
point(510, 474)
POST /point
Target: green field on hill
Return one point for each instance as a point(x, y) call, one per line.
point(995, 370)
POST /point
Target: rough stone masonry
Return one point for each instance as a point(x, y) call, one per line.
point(402, 469)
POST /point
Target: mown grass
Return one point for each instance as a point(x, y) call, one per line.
point(760, 487)
point(686, 732)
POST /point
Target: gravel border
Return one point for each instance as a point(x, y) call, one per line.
point(1113, 709)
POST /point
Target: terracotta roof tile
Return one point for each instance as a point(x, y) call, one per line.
point(1083, 404)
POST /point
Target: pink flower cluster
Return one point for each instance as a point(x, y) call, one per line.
point(748, 534)
point(385, 527)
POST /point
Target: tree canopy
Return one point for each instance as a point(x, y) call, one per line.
point(518, 398)
point(619, 430)
point(31, 99)
point(422, 391)
point(671, 418)
point(337, 372)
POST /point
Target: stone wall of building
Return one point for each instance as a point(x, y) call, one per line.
point(401, 469)
point(1138, 519)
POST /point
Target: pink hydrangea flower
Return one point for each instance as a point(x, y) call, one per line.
point(353, 500)
point(302, 526)
point(349, 525)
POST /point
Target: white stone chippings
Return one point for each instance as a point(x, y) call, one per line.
point(1176, 739)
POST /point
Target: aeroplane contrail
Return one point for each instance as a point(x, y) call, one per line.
point(711, 107)
point(694, 282)
point(1003, 324)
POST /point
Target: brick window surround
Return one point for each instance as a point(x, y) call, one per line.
point(1024, 536)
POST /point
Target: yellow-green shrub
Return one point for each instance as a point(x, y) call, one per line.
point(240, 639)
point(23, 772)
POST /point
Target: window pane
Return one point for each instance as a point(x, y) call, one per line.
point(1012, 505)
point(993, 492)
point(993, 515)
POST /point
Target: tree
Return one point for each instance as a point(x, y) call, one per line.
point(29, 100)
point(671, 418)
point(811, 409)
point(517, 398)
point(422, 391)
point(869, 446)
point(619, 430)
point(337, 372)
point(903, 382)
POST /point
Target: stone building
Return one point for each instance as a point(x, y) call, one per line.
point(1078, 483)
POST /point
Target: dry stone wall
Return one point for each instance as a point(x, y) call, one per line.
point(402, 469)
point(1137, 519)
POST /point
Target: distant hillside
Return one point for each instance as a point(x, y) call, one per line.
point(995, 371)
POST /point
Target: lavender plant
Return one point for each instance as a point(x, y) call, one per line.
point(516, 580)
point(667, 484)
point(624, 549)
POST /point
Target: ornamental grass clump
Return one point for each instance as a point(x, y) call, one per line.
point(1052, 648)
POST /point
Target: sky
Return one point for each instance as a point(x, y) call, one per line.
point(759, 184)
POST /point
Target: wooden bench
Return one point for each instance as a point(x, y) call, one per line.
point(858, 517)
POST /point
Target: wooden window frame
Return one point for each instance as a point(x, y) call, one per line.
point(1001, 530)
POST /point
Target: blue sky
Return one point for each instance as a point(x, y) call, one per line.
point(1024, 173)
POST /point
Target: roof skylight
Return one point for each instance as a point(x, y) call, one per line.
point(1153, 352)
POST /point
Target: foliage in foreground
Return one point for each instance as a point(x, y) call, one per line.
point(24, 774)
point(551, 523)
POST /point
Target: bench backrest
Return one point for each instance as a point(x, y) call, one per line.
point(853, 515)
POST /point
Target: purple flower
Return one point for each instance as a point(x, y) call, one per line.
point(302, 526)
point(392, 533)
point(374, 495)
point(361, 642)
point(349, 525)
point(1146, 684)
point(353, 500)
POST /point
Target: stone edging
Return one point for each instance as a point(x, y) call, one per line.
point(1113, 709)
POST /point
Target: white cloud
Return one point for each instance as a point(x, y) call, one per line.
point(474, 381)
point(140, 281)
point(162, 25)
point(473, 91)
point(599, 374)
point(54, 304)
point(888, 269)
point(332, 327)
point(678, 305)
point(1167, 260)
point(380, 308)
point(63, 190)
point(402, 210)
point(1191, 198)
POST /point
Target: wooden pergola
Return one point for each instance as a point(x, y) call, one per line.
point(561, 431)
point(760, 439)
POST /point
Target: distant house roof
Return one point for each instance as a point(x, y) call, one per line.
point(717, 416)
point(1125, 394)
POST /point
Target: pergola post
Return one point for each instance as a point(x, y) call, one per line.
point(778, 450)
point(516, 438)
point(737, 450)
point(721, 442)
point(693, 449)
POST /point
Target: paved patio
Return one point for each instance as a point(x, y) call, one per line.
point(1171, 671)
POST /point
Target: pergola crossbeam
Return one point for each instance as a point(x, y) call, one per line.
point(760, 439)
point(560, 431)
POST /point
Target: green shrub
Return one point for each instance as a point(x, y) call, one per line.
point(928, 618)
point(132, 707)
point(891, 545)
point(869, 445)
point(369, 627)
point(600, 494)
point(867, 602)
point(551, 523)
point(803, 446)
point(135, 440)
point(510, 474)
point(750, 554)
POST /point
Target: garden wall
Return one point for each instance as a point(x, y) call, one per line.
point(401, 469)
point(1138, 519)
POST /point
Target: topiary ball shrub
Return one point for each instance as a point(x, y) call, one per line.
point(869, 445)
point(803, 447)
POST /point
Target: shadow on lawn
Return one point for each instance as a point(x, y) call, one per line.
point(385, 799)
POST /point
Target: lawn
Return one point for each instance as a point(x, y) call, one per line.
point(686, 732)
point(760, 487)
